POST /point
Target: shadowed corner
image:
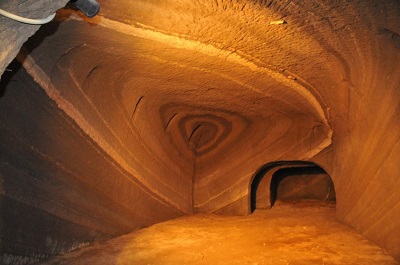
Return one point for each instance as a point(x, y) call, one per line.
point(8, 75)
point(2, 257)
point(27, 182)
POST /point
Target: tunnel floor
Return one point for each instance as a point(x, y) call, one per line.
point(290, 233)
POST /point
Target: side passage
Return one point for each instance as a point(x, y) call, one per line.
point(290, 181)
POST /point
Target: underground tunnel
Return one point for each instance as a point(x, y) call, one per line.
point(290, 181)
point(162, 132)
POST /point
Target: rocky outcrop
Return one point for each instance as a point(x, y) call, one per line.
point(13, 34)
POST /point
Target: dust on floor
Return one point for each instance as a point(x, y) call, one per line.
point(296, 234)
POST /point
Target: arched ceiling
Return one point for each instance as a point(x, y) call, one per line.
point(212, 84)
point(203, 93)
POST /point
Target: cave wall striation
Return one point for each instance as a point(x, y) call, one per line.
point(156, 109)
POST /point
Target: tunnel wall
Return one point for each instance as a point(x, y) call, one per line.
point(365, 167)
point(60, 189)
point(77, 166)
point(226, 92)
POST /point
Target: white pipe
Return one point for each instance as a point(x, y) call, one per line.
point(27, 20)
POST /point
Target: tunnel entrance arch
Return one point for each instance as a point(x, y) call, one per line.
point(290, 180)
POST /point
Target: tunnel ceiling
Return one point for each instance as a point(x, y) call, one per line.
point(207, 79)
point(193, 97)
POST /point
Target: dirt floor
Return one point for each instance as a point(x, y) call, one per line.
point(297, 233)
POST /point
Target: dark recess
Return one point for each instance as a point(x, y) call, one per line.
point(297, 168)
point(301, 173)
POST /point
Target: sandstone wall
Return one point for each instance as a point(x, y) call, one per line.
point(191, 98)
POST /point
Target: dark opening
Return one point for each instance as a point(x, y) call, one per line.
point(8, 75)
point(290, 181)
point(256, 182)
point(302, 183)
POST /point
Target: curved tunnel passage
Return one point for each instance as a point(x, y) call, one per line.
point(290, 181)
point(164, 108)
point(302, 183)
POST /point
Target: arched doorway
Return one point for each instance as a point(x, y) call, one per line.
point(290, 181)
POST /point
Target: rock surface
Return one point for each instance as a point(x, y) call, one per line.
point(288, 234)
point(13, 33)
point(157, 109)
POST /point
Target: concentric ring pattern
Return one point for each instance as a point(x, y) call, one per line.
point(172, 106)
